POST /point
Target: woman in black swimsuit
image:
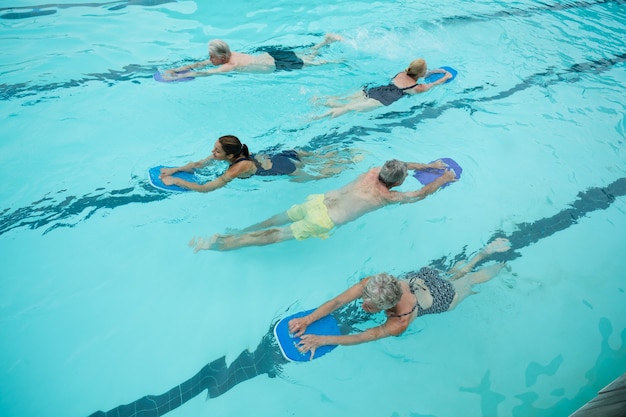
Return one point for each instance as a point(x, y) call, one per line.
point(403, 83)
point(244, 165)
point(418, 293)
point(227, 148)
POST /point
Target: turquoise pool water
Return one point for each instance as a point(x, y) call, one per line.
point(102, 303)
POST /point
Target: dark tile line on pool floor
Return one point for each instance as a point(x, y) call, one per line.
point(54, 211)
point(217, 377)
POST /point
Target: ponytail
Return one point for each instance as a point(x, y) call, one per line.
point(233, 146)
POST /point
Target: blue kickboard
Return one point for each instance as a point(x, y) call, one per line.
point(326, 326)
point(431, 78)
point(155, 181)
point(430, 175)
point(158, 76)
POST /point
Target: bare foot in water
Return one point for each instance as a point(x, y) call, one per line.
point(332, 37)
point(465, 266)
point(501, 244)
point(202, 243)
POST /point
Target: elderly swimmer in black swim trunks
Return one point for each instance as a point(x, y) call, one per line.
point(415, 294)
point(267, 60)
point(403, 83)
point(242, 164)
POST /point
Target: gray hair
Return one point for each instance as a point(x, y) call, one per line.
point(219, 48)
point(392, 173)
point(382, 290)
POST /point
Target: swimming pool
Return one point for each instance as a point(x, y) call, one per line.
point(102, 302)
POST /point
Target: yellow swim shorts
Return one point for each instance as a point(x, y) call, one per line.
point(310, 219)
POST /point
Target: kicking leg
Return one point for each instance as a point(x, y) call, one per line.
point(498, 245)
point(463, 286)
point(230, 242)
point(276, 220)
point(361, 105)
point(328, 39)
point(310, 56)
point(337, 101)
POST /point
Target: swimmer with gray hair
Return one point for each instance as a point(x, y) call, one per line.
point(402, 299)
point(393, 172)
point(320, 214)
point(268, 59)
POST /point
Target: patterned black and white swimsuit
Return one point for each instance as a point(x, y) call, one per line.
point(440, 289)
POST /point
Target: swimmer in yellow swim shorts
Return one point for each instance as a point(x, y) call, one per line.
point(322, 212)
point(310, 219)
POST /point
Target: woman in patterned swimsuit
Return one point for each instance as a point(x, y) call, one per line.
point(418, 293)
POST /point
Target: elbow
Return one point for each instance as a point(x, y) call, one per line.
point(210, 186)
point(337, 302)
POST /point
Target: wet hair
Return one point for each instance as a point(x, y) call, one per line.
point(219, 48)
point(392, 173)
point(382, 290)
point(232, 145)
point(417, 68)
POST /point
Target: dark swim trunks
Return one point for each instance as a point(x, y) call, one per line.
point(440, 289)
point(285, 60)
point(387, 94)
point(282, 164)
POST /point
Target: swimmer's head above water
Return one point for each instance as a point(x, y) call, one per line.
point(393, 173)
point(219, 52)
point(417, 68)
point(381, 292)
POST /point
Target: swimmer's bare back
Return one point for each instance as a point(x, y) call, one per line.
point(252, 63)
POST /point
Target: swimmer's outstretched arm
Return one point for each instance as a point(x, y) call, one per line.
point(181, 72)
point(298, 326)
point(174, 72)
point(189, 167)
point(421, 88)
point(227, 67)
point(425, 191)
point(204, 73)
point(219, 182)
point(436, 71)
point(231, 173)
point(393, 327)
point(438, 164)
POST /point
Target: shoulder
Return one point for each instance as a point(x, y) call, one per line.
point(372, 174)
point(399, 75)
point(395, 326)
point(364, 179)
point(418, 88)
point(229, 66)
point(241, 169)
point(394, 196)
point(238, 58)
